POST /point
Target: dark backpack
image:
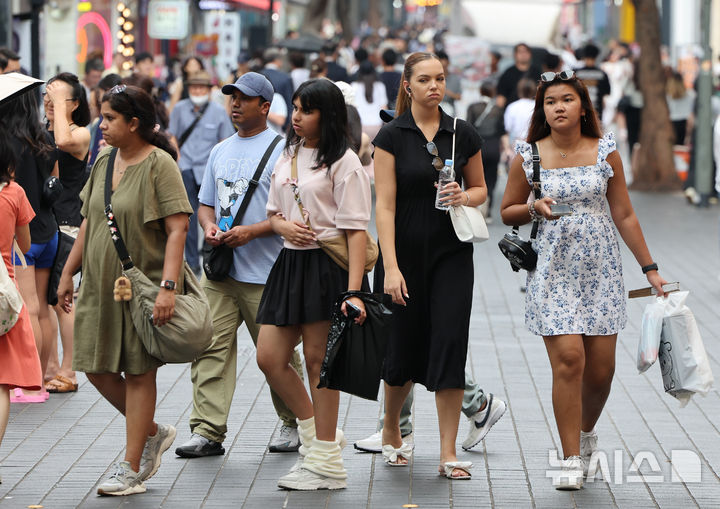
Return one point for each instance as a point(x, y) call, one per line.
point(487, 124)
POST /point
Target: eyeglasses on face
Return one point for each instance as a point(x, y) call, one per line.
point(433, 151)
point(549, 76)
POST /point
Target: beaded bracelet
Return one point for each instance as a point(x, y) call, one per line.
point(534, 216)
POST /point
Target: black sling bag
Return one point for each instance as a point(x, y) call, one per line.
point(218, 260)
point(519, 252)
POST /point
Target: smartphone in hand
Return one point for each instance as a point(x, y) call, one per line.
point(560, 209)
point(352, 310)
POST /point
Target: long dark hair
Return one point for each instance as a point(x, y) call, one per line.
point(539, 128)
point(133, 102)
point(20, 118)
point(146, 83)
point(185, 62)
point(403, 101)
point(368, 77)
point(81, 115)
point(322, 94)
point(7, 160)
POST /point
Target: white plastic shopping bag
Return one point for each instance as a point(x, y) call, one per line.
point(649, 344)
point(683, 362)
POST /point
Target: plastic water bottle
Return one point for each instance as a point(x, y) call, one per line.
point(447, 175)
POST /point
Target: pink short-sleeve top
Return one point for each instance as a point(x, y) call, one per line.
point(15, 210)
point(338, 199)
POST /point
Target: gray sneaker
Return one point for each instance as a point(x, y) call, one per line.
point(122, 481)
point(287, 440)
point(155, 446)
point(198, 446)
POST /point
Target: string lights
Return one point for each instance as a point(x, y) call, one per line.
point(125, 39)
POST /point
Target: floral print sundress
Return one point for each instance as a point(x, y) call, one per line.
point(577, 286)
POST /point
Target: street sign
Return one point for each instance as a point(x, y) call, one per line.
point(168, 19)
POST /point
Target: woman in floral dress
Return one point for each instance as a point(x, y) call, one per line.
point(575, 297)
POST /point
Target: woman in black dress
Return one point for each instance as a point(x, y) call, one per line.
point(426, 269)
point(68, 114)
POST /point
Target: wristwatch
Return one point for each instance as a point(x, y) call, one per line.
point(168, 284)
point(648, 268)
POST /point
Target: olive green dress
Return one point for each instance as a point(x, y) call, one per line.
point(105, 340)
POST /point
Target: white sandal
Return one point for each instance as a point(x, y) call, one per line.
point(449, 466)
point(391, 455)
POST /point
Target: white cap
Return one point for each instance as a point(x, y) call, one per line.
point(347, 91)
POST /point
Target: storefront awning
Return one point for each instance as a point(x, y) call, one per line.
point(262, 5)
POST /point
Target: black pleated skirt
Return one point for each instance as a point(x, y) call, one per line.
point(302, 287)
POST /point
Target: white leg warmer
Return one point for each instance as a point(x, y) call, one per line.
point(306, 432)
point(325, 458)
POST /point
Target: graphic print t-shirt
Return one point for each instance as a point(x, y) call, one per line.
point(231, 165)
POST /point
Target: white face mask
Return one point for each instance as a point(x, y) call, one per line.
point(200, 100)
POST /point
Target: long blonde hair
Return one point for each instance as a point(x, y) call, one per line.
point(403, 102)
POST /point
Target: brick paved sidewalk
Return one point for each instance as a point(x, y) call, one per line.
point(54, 453)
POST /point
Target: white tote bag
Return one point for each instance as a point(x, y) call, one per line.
point(468, 222)
point(684, 363)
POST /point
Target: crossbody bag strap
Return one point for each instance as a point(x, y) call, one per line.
point(255, 181)
point(452, 154)
point(118, 242)
point(15, 247)
point(186, 134)
point(535, 184)
point(296, 189)
point(488, 108)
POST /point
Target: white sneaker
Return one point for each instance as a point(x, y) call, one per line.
point(373, 443)
point(570, 476)
point(588, 446)
point(481, 422)
point(305, 480)
point(155, 446)
point(122, 481)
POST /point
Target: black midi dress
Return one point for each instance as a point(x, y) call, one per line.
point(429, 337)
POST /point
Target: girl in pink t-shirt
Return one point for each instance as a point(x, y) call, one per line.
point(304, 282)
point(20, 366)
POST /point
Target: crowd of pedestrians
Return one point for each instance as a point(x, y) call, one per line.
point(271, 162)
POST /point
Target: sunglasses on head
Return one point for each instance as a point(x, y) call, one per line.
point(549, 76)
point(118, 89)
point(437, 163)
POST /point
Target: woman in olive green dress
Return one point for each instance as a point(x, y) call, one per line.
point(151, 209)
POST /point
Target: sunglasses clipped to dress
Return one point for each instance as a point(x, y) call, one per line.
point(432, 149)
point(550, 76)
